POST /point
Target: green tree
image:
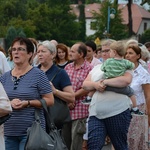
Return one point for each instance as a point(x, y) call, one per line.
point(54, 21)
point(40, 19)
point(13, 33)
point(117, 29)
point(145, 37)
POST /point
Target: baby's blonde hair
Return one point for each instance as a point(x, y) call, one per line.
point(119, 47)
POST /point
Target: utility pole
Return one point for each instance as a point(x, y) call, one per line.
point(130, 21)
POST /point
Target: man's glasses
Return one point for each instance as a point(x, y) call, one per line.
point(19, 49)
point(105, 51)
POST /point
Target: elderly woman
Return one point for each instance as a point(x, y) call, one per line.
point(24, 85)
point(61, 84)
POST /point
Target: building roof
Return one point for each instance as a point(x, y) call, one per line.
point(89, 8)
point(138, 13)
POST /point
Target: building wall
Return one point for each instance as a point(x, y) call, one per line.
point(141, 29)
point(89, 31)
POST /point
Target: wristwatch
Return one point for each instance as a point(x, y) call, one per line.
point(28, 104)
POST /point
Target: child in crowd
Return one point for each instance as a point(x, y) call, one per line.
point(116, 66)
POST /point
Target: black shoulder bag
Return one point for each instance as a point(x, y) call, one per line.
point(60, 112)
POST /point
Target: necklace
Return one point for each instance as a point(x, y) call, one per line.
point(19, 73)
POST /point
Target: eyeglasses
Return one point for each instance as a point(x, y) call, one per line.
point(105, 51)
point(19, 49)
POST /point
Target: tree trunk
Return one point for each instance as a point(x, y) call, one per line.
point(130, 25)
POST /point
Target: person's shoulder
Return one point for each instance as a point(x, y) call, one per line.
point(36, 70)
point(141, 69)
point(5, 75)
point(88, 67)
point(69, 65)
point(2, 54)
point(97, 67)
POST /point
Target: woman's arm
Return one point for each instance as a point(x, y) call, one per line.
point(146, 88)
point(91, 85)
point(19, 104)
point(67, 94)
point(120, 81)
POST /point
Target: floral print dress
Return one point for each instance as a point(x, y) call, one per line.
point(138, 130)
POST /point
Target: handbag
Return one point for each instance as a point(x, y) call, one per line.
point(39, 139)
point(60, 110)
point(5, 105)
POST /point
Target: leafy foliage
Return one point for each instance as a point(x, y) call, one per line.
point(39, 19)
point(145, 37)
point(117, 29)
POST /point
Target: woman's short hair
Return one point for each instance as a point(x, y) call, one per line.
point(145, 53)
point(49, 45)
point(135, 48)
point(24, 41)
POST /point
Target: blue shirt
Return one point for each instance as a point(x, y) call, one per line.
point(31, 86)
point(61, 80)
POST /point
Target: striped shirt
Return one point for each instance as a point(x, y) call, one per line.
point(30, 86)
point(77, 76)
point(116, 67)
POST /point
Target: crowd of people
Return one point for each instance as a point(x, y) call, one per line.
point(106, 88)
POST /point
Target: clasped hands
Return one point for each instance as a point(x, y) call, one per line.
point(18, 104)
point(100, 86)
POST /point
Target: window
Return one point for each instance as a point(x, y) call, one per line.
point(93, 25)
point(145, 26)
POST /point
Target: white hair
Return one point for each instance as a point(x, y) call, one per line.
point(145, 53)
point(49, 45)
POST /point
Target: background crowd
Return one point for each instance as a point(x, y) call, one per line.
point(27, 72)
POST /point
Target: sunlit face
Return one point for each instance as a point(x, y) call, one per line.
point(19, 53)
point(131, 55)
point(105, 52)
point(44, 55)
point(90, 52)
point(61, 54)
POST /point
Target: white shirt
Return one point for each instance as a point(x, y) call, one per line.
point(95, 61)
point(140, 77)
point(106, 104)
point(4, 66)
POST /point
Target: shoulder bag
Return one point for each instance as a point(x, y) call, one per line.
point(39, 139)
point(60, 112)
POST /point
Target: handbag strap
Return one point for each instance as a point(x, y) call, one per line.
point(57, 71)
point(50, 121)
point(37, 115)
